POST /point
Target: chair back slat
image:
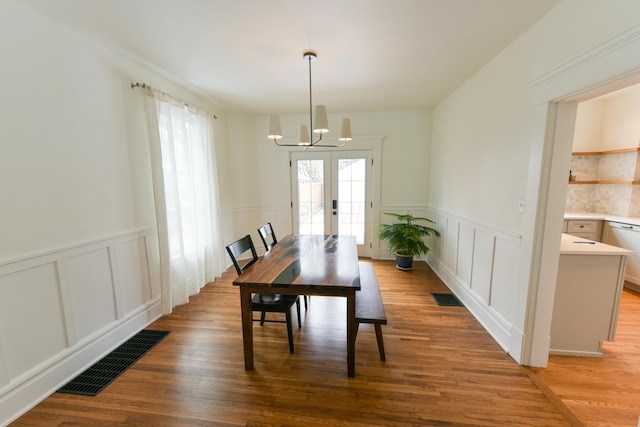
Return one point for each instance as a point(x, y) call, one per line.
point(238, 248)
point(268, 236)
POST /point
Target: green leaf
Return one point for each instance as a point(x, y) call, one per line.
point(406, 237)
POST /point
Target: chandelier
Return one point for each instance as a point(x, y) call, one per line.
point(318, 126)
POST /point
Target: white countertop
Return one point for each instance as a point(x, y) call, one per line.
point(600, 216)
point(572, 245)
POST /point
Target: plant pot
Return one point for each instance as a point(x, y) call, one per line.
point(404, 262)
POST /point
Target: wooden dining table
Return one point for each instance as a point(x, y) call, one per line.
point(301, 264)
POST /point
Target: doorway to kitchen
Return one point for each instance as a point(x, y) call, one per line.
point(557, 95)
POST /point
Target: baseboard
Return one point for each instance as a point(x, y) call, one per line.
point(576, 353)
point(19, 398)
point(632, 286)
point(493, 323)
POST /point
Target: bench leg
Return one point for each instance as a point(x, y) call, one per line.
point(380, 342)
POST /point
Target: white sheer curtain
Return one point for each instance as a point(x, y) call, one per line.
point(186, 197)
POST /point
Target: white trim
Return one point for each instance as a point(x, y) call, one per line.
point(25, 387)
point(26, 391)
point(38, 258)
point(600, 51)
point(446, 257)
point(502, 233)
point(609, 66)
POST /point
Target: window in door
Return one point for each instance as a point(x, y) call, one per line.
point(332, 194)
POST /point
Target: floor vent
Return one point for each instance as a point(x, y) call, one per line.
point(447, 299)
point(102, 373)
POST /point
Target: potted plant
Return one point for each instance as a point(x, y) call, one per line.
point(406, 238)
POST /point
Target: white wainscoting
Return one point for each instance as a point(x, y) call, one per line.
point(479, 262)
point(62, 310)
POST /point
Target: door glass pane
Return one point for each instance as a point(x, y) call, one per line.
point(311, 196)
point(351, 197)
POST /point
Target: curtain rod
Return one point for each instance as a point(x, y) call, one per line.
point(143, 85)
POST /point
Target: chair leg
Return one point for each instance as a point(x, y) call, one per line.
point(289, 330)
point(298, 310)
point(305, 302)
point(262, 316)
point(380, 342)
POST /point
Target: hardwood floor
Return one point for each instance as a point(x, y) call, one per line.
point(442, 369)
point(602, 391)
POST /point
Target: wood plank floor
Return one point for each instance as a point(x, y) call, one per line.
point(602, 391)
point(442, 369)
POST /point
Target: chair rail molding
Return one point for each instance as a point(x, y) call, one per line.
point(478, 262)
point(74, 304)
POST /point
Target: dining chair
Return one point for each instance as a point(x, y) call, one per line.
point(264, 303)
point(269, 240)
point(268, 236)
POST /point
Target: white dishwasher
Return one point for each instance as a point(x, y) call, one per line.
point(626, 236)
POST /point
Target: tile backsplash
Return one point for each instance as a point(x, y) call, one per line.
point(620, 199)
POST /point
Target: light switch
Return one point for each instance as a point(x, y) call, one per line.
point(521, 205)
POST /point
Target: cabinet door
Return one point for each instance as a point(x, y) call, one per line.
point(626, 236)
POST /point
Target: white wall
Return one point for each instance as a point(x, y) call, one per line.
point(621, 120)
point(74, 138)
point(261, 183)
point(609, 123)
point(78, 251)
point(490, 149)
point(588, 130)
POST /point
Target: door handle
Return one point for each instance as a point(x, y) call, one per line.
point(334, 204)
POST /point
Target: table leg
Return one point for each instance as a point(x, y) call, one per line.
point(351, 334)
point(247, 327)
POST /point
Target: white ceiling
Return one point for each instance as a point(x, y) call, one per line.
point(247, 54)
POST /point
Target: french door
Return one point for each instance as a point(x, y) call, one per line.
point(331, 194)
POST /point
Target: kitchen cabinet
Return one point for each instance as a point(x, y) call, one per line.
point(587, 297)
point(587, 229)
point(624, 235)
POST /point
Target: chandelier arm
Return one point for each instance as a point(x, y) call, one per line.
point(322, 120)
point(330, 145)
point(313, 144)
point(285, 145)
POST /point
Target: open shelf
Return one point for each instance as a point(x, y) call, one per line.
point(606, 182)
point(599, 153)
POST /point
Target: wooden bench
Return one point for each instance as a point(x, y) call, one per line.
point(369, 306)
